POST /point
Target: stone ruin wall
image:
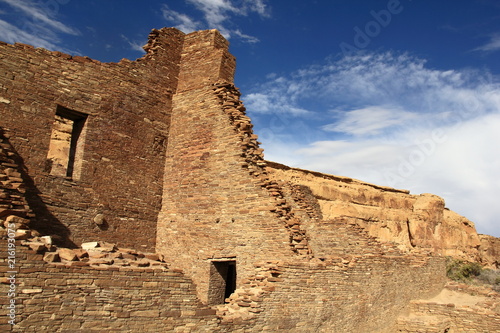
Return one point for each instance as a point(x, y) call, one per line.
point(366, 285)
point(126, 117)
point(221, 202)
point(73, 298)
point(217, 203)
point(85, 295)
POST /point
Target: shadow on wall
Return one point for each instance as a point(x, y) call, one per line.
point(44, 221)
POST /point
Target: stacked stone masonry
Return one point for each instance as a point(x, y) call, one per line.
point(463, 308)
point(142, 201)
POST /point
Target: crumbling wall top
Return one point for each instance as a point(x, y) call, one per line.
point(163, 39)
point(204, 38)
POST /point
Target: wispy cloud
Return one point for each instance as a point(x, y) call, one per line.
point(40, 25)
point(181, 21)
point(245, 37)
point(39, 13)
point(134, 45)
point(12, 34)
point(274, 102)
point(492, 45)
point(217, 14)
point(395, 122)
point(372, 120)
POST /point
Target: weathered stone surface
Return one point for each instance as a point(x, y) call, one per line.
point(38, 247)
point(456, 308)
point(390, 215)
point(47, 240)
point(51, 257)
point(99, 220)
point(490, 250)
point(90, 245)
point(18, 222)
point(67, 254)
point(22, 234)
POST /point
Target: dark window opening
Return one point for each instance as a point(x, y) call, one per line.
point(66, 143)
point(222, 281)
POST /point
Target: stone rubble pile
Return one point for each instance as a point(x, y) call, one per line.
point(94, 254)
point(12, 189)
point(14, 209)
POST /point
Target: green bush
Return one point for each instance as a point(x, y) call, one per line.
point(472, 272)
point(464, 271)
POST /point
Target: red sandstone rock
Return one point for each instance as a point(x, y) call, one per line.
point(81, 253)
point(90, 245)
point(51, 257)
point(38, 247)
point(18, 222)
point(67, 254)
point(22, 234)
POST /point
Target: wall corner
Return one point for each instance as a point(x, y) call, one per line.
point(205, 60)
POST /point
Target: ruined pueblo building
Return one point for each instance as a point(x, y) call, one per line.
point(136, 198)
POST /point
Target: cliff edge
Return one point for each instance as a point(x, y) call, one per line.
point(412, 222)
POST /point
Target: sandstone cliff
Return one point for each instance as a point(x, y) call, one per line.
point(412, 222)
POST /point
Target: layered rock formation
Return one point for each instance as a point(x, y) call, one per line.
point(412, 222)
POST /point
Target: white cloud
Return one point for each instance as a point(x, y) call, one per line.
point(406, 126)
point(370, 120)
point(12, 34)
point(461, 164)
point(215, 11)
point(492, 45)
point(217, 14)
point(181, 21)
point(247, 38)
point(134, 45)
point(40, 27)
point(273, 102)
point(41, 13)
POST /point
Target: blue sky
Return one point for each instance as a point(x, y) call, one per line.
point(399, 93)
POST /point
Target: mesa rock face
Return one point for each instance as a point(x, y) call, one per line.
point(138, 198)
point(490, 249)
point(412, 222)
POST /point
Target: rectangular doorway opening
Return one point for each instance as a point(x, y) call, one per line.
point(222, 281)
point(65, 154)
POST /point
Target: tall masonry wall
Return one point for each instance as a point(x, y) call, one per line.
point(113, 118)
point(215, 205)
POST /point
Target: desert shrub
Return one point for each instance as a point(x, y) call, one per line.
point(490, 276)
point(463, 271)
point(472, 272)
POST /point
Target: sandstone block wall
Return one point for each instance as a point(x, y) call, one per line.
point(119, 157)
point(458, 308)
point(364, 295)
point(215, 204)
point(61, 298)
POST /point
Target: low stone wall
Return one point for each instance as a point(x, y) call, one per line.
point(63, 298)
point(462, 309)
point(362, 296)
